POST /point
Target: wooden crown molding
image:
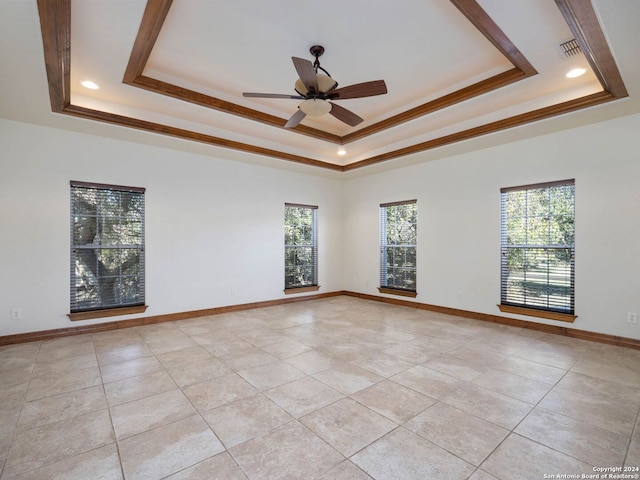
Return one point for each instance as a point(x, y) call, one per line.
point(55, 24)
point(156, 12)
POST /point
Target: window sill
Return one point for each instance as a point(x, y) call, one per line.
point(395, 291)
point(289, 291)
point(107, 312)
point(531, 312)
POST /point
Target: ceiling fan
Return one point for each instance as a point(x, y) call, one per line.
point(316, 90)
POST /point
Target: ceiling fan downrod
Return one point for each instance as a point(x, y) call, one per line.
point(317, 51)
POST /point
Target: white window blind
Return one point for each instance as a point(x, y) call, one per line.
point(398, 245)
point(107, 246)
point(537, 257)
point(300, 246)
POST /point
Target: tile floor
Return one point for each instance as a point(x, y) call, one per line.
point(340, 388)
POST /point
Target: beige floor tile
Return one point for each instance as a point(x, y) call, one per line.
point(170, 343)
point(347, 426)
point(218, 391)
point(43, 411)
point(453, 366)
point(129, 368)
point(549, 354)
point(397, 363)
point(482, 475)
point(271, 375)
point(428, 382)
point(633, 453)
point(129, 349)
point(489, 405)
point(286, 348)
point(13, 378)
point(479, 354)
point(578, 439)
point(50, 443)
point(100, 464)
point(134, 388)
point(601, 388)
point(343, 352)
point(59, 348)
point(64, 364)
point(403, 455)
point(214, 336)
point(288, 452)
point(150, 412)
point(8, 421)
point(247, 358)
point(22, 355)
point(595, 410)
point(45, 385)
point(394, 401)
point(311, 362)
point(159, 331)
point(303, 396)
point(411, 353)
point(245, 419)
point(219, 467)
point(383, 364)
point(627, 375)
point(185, 355)
point(533, 370)
point(460, 433)
point(199, 371)
point(166, 450)
point(518, 457)
point(261, 337)
point(348, 379)
point(225, 347)
point(345, 471)
point(506, 343)
point(14, 392)
point(515, 386)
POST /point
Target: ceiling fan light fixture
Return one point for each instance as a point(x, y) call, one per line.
point(315, 107)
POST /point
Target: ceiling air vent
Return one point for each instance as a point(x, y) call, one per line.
point(569, 48)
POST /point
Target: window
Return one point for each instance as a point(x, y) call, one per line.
point(537, 270)
point(398, 235)
point(300, 248)
point(107, 249)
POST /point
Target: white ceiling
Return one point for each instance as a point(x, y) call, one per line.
point(423, 49)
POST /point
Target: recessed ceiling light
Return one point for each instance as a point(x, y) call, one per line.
point(89, 84)
point(576, 72)
point(342, 152)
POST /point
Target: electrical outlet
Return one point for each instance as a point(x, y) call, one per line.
point(233, 292)
point(16, 314)
point(632, 317)
point(459, 295)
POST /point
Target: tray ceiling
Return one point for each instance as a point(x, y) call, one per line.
point(455, 69)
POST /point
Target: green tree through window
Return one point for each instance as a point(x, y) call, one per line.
point(107, 247)
point(398, 238)
point(300, 246)
point(538, 246)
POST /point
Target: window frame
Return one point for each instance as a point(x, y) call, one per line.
point(507, 305)
point(290, 288)
point(384, 245)
point(107, 308)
